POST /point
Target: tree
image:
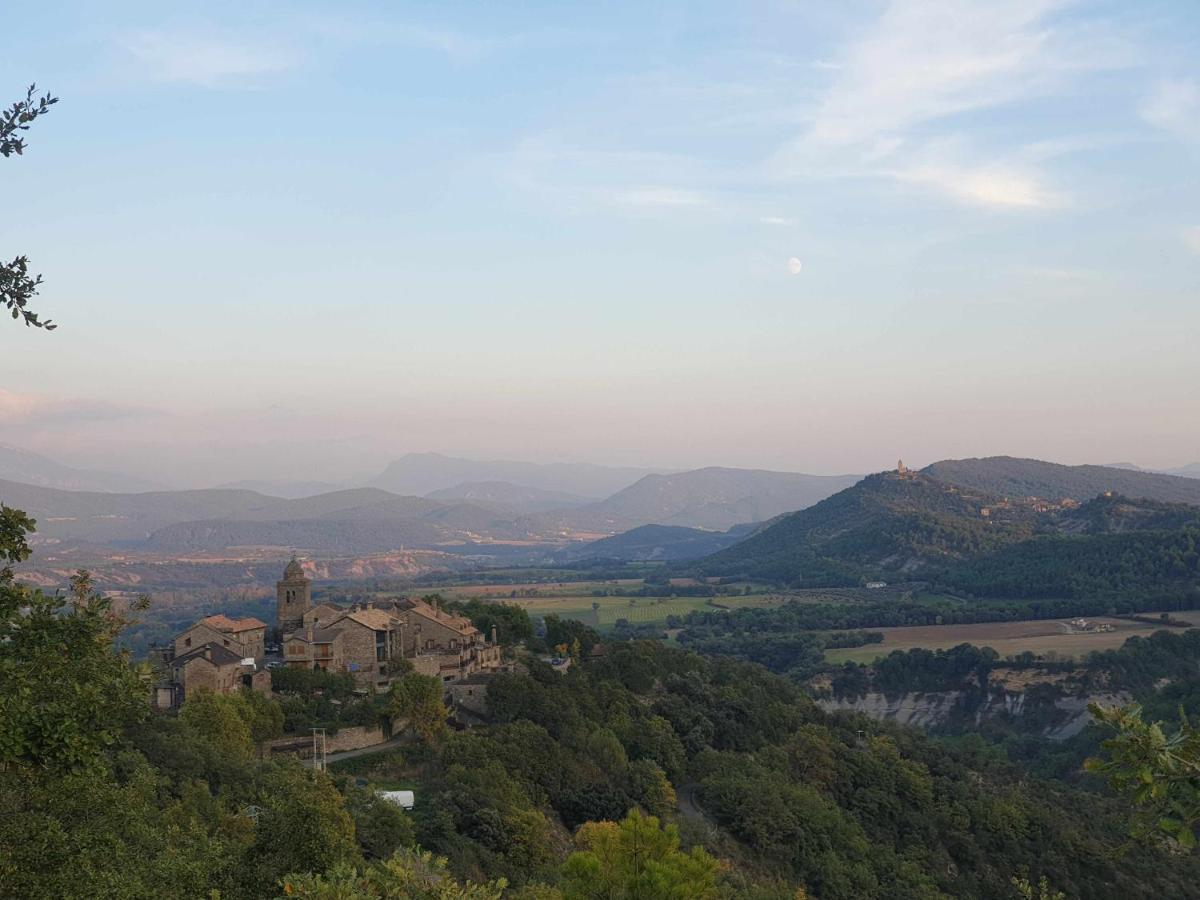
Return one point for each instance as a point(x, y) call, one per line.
point(382, 827)
point(418, 698)
point(1027, 890)
point(408, 875)
point(651, 788)
point(1158, 773)
point(219, 719)
point(303, 826)
point(17, 286)
point(65, 696)
point(636, 860)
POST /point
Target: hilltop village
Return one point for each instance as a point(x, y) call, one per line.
point(373, 642)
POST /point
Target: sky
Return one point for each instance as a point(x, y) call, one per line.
point(297, 240)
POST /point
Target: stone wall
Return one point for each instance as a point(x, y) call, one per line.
point(358, 651)
point(355, 738)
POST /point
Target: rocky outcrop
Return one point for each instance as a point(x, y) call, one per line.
point(1060, 719)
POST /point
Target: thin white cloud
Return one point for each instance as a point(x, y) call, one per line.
point(984, 186)
point(776, 220)
point(928, 59)
point(40, 409)
point(1174, 106)
point(892, 105)
point(661, 196)
point(206, 60)
point(1191, 238)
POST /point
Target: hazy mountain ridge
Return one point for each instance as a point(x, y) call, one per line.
point(656, 542)
point(27, 467)
point(713, 498)
point(287, 490)
point(1008, 476)
point(423, 473)
point(505, 494)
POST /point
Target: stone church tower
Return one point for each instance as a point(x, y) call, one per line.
point(293, 598)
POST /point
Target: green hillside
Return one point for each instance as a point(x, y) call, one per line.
point(1009, 476)
point(887, 523)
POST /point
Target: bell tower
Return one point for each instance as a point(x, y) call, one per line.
point(293, 598)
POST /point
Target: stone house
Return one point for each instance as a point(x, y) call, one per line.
point(245, 636)
point(322, 614)
point(315, 647)
point(366, 640)
point(212, 667)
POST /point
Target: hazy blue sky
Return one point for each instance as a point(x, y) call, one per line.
point(302, 238)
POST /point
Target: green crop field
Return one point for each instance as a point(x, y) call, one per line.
point(648, 609)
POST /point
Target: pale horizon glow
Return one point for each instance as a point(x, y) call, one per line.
point(298, 240)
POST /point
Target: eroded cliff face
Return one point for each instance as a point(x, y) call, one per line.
point(1058, 719)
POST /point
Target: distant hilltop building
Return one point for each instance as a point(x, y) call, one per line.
point(901, 468)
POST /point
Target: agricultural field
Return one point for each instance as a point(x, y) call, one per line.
point(607, 610)
point(600, 603)
point(534, 590)
point(1045, 637)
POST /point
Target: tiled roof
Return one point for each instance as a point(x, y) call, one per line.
point(218, 655)
point(222, 622)
point(319, 635)
point(456, 623)
point(375, 619)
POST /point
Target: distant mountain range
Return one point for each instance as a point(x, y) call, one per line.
point(369, 520)
point(514, 497)
point(653, 543)
point(1009, 476)
point(32, 468)
point(423, 473)
point(289, 490)
point(693, 512)
point(912, 527)
point(712, 498)
point(1191, 470)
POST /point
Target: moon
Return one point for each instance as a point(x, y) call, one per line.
point(794, 265)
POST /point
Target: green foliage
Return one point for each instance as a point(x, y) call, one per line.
point(381, 827)
point(1040, 891)
point(1157, 772)
point(79, 836)
point(636, 860)
point(408, 875)
point(309, 682)
point(1162, 564)
point(303, 826)
point(511, 622)
point(14, 546)
point(418, 698)
point(65, 697)
point(650, 787)
point(17, 286)
point(219, 718)
point(568, 633)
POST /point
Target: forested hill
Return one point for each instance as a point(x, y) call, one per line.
point(887, 522)
point(1009, 476)
point(1114, 514)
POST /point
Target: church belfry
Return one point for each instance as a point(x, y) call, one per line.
point(293, 597)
